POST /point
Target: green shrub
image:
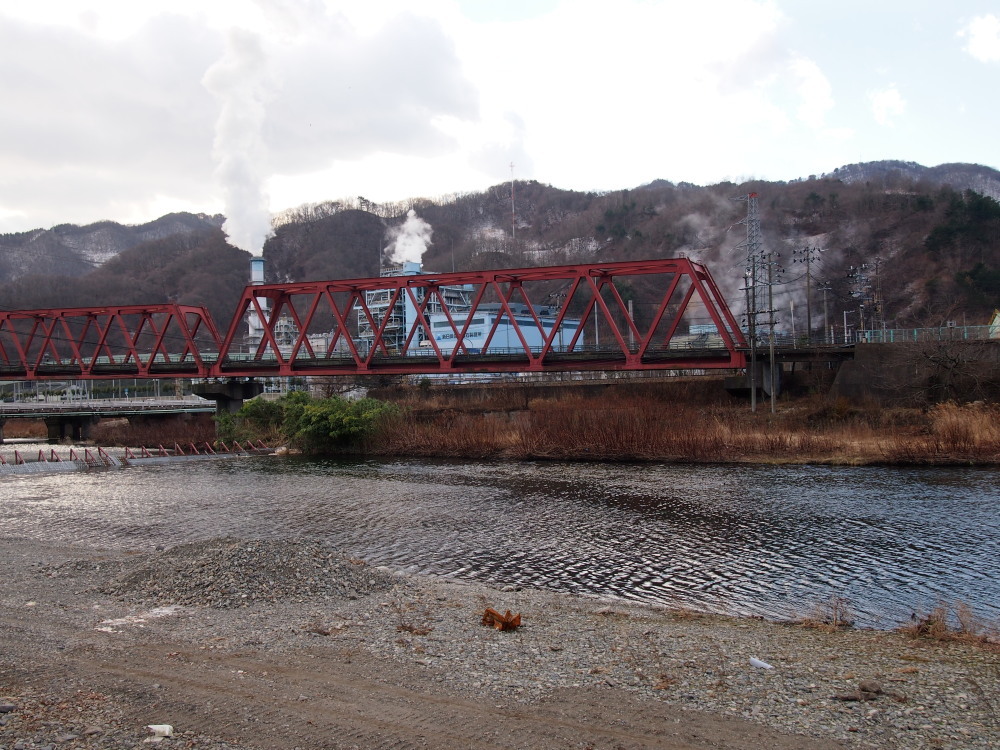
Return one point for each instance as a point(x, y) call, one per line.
point(328, 425)
point(331, 425)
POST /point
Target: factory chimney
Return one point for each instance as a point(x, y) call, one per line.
point(256, 271)
point(255, 324)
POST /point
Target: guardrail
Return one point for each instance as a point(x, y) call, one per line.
point(104, 406)
point(914, 335)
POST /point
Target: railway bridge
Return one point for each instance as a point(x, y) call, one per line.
point(652, 315)
point(643, 315)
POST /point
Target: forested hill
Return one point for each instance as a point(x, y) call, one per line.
point(923, 243)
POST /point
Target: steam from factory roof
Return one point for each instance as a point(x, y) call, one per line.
point(410, 240)
point(241, 83)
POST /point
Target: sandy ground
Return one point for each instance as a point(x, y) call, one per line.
point(74, 674)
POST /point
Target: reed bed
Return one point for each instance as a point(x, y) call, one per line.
point(953, 433)
point(643, 428)
point(693, 421)
point(28, 429)
point(120, 432)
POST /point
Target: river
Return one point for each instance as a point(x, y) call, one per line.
point(775, 541)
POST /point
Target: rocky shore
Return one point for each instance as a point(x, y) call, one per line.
point(252, 644)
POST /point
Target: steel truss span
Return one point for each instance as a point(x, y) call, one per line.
point(644, 315)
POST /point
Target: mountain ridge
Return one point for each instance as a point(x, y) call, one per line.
point(921, 244)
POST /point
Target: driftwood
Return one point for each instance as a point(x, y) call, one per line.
point(499, 621)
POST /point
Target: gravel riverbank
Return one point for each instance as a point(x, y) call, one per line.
point(252, 644)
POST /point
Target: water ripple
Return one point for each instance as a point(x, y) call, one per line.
point(772, 541)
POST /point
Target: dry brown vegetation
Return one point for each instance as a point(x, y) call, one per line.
point(690, 420)
point(198, 430)
point(830, 616)
point(955, 622)
point(689, 423)
point(29, 429)
point(195, 429)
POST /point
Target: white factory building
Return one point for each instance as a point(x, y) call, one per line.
point(403, 320)
point(505, 339)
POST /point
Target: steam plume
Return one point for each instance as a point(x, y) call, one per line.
point(241, 84)
point(411, 239)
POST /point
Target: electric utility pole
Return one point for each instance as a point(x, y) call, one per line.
point(807, 255)
point(752, 247)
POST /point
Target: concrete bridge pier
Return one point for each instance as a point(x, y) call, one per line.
point(228, 395)
point(71, 427)
point(740, 384)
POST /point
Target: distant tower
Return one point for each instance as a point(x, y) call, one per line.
point(752, 246)
point(753, 258)
point(754, 263)
point(255, 325)
point(513, 219)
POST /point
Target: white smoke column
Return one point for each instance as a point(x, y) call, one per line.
point(241, 83)
point(411, 239)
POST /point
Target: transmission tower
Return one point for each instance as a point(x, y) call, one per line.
point(878, 303)
point(752, 250)
point(513, 215)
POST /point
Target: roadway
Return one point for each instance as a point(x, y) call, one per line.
point(103, 407)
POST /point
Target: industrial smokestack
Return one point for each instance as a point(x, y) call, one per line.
point(256, 271)
point(255, 323)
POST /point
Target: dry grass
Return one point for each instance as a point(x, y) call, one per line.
point(952, 623)
point(30, 429)
point(633, 425)
point(969, 428)
point(446, 435)
point(832, 615)
point(197, 429)
point(951, 433)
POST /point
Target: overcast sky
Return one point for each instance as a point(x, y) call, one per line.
point(127, 110)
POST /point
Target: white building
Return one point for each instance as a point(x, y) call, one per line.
point(401, 321)
point(505, 339)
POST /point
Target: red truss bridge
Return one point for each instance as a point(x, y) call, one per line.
point(646, 315)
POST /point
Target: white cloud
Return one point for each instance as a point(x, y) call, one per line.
point(108, 124)
point(814, 90)
point(108, 117)
point(887, 104)
point(983, 34)
point(615, 98)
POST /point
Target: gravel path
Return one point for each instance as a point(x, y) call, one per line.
point(252, 644)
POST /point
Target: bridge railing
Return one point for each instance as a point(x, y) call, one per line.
point(914, 335)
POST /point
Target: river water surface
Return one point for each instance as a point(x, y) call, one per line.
point(748, 540)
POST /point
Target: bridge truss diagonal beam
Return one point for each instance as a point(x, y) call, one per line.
point(141, 341)
point(630, 315)
point(609, 316)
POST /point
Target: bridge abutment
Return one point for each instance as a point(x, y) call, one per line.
point(71, 427)
point(228, 395)
point(742, 384)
